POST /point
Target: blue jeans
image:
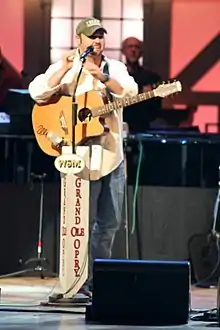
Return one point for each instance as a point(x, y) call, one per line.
point(106, 205)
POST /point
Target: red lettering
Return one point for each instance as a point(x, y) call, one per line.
point(77, 210)
point(73, 231)
point(77, 232)
point(77, 220)
point(78, 183)
point(76, 254)
point(76, 244)
point(77, 270)
point(76, 267)
point(78, 193)
point(76, 264)
point(77, 202)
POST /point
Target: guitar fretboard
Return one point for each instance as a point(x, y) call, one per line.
point(121, 103)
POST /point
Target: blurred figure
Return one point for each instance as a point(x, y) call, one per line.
point(140, 115)
point(9, 78)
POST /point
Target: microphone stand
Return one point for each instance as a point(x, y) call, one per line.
point(126, 209)
point(39, 260)
point(215, 232)
point(75, 106)
point(57, 297)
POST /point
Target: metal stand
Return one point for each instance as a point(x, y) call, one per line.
point(215, 232)
point(127, 244)
point(218, 303)
point(39, 260)
point(75, 107)
point(217, 235)
point(126, 225)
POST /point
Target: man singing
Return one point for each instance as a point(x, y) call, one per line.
point(111, 76)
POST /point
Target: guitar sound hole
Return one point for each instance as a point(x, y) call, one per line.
point(84, 115)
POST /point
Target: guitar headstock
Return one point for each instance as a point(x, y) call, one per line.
point(167, 89)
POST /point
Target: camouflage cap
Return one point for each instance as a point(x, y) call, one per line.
point(89, 26)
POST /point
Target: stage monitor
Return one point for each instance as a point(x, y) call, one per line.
point(140, 292)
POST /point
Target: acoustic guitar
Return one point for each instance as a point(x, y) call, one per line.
point(52, 121)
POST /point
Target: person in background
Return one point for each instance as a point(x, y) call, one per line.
point(140, 115)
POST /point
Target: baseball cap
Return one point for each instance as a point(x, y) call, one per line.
point(88, 26)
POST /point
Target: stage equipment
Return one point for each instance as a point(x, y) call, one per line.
point(40, 261)
point(140, 292)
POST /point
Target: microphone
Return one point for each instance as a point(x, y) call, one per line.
point(88, 51)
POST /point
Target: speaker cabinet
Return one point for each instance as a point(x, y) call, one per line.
point(140, 292)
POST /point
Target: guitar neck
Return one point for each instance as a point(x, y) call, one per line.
point(121, 103)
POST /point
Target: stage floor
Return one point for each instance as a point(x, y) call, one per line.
point(21, 298)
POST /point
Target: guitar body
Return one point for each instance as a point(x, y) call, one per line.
point(49, 117)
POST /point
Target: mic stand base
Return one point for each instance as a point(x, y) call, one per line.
point(58, 300)
point(40, 267)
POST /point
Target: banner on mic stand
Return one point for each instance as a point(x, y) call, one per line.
point(74, 221)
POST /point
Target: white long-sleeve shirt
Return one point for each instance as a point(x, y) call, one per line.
point(112, 142)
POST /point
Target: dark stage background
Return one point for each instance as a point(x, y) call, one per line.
point(174, 202)
point(168, 217)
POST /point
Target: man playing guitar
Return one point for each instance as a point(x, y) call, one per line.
point(110, 76)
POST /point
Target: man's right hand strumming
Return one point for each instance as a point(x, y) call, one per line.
point(67, 63)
